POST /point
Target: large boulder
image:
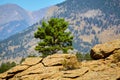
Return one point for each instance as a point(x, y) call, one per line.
point(101, 51)
point(57, 59)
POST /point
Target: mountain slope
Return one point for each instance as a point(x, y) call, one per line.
point(14, 19)
point(91, 23)
point(18, 46)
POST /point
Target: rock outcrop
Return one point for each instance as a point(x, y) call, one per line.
point(52, 68)
point(102, 51)
point(36, 68)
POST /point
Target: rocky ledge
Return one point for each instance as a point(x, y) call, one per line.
point(66, 67)
point(102, 51)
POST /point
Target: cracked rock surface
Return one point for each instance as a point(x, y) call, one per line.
point(51, 68)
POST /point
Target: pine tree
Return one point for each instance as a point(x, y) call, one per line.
point(53, 36)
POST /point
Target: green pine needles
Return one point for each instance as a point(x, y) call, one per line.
point(53, 36)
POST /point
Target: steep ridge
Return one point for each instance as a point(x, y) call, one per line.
point(91, 23)
point(14, 19)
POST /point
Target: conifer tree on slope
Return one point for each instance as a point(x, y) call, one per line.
point(53, 36)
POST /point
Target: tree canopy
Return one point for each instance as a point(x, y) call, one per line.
point(53, 36)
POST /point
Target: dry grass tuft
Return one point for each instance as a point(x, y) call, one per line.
point(70, 63)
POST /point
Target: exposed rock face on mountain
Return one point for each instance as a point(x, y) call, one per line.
point(91, 22)
point(14, 19)
point(104, 50)
point(51, 68)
